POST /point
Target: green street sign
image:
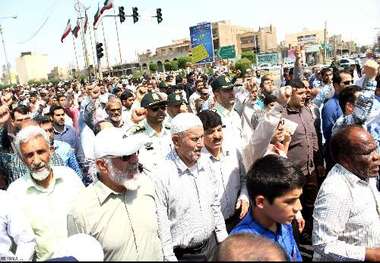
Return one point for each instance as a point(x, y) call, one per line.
point(226, 52)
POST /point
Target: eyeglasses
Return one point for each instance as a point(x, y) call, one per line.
point(348, 82)
point(156, 108)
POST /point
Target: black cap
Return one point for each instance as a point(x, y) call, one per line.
point(175, 99)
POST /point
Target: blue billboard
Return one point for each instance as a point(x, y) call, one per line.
point(202, 45)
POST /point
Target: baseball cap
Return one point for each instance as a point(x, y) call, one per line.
point(152, 98)
point(113, 142)
point(221, 82)
point(175, 99)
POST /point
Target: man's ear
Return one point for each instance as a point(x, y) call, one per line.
point(176, 140)
point(101, 165)
point(259, 201)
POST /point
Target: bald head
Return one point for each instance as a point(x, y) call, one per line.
point(249, 247)
point(356, 150)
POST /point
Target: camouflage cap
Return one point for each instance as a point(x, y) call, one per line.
point(152, 98)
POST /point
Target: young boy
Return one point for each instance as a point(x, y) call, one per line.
point(274, 188)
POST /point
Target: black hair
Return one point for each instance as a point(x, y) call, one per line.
point(210, 119)
point(53, 108)
point(348, 95)
point(42, 119)
point(324, 71)
point(22, 109)
point(297, 84)
point(336, 75)
point(272, 176)
point(60, 96)
point(269, 98)
point(126, 95)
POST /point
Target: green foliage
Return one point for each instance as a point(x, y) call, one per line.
point(137, 74)
point(153, 67)
point(243, 64)
point(174, 65)
point(183, 62)
point(249, 55)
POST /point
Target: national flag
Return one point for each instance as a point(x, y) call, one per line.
point(85, 22)
point(76, 29)
point(67, 31)
point(96, 17)
point(107, 5)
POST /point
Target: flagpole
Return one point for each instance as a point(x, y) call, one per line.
point(117, 35)
point(106, 49)
point(75, 53)
point(83, 40)
point(92, 49)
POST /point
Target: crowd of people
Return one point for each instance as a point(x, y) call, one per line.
point(220, 166)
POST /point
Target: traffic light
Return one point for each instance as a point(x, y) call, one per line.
point(159, 15)
point(99, 50)
point(135, 14)
point(121, 14)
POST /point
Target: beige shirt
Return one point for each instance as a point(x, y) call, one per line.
point(124, 224)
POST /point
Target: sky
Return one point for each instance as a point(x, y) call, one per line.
point(40, 23)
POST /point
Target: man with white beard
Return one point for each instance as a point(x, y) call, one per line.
point(119, 210)
point(46, 193)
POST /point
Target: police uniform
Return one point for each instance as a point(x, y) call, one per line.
point(156, 146)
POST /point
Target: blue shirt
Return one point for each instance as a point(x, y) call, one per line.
point(67, 154)
point(331, 111)
point(284, 236)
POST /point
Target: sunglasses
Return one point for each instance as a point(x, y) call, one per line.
point(156, 108)
point(348, 82)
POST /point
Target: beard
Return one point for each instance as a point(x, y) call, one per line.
point(40, 172)
point(129, 178)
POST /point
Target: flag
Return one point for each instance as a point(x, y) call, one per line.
point(96, 17)
point(76, 29)
point(107, 5)
point(67, 31)
point(85, 22)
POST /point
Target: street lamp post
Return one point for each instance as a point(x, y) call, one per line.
point(5, 50)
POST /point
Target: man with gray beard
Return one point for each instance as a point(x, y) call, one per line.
point(119, 210)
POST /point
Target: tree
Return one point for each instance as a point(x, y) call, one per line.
point(183, 62)
point(168, 66)
point(243, 64)
point(174, 65)
point(137, 75)
point(153, 67)
point(249, 55)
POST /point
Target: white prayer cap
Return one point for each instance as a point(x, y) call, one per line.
point(82, 247)
point(113, 142)
point(184, 121)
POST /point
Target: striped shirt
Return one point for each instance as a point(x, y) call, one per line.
point(346, 218)
point(188, 204)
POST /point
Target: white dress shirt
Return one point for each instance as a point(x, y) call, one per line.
point(346, 217)
point(14, 228)
point(188, 204)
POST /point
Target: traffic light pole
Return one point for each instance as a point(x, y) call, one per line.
point(117, 36)
point(105, 48)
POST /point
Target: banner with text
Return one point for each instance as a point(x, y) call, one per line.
point(202, 46)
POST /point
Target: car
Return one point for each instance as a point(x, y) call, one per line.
point(345, 62)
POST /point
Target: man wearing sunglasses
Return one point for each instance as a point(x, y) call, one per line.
point(119, 209)
point(331, 110)
point(153, 128)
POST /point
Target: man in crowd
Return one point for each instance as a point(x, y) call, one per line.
point(229, 169)
point(190, 219)
point(130, 233)
point(45, 193)
point(346, 213)
point(176, 105)
point(303, 149)
point(154, 129)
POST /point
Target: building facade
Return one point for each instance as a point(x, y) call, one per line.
point(262, 41)
point(31, 66)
